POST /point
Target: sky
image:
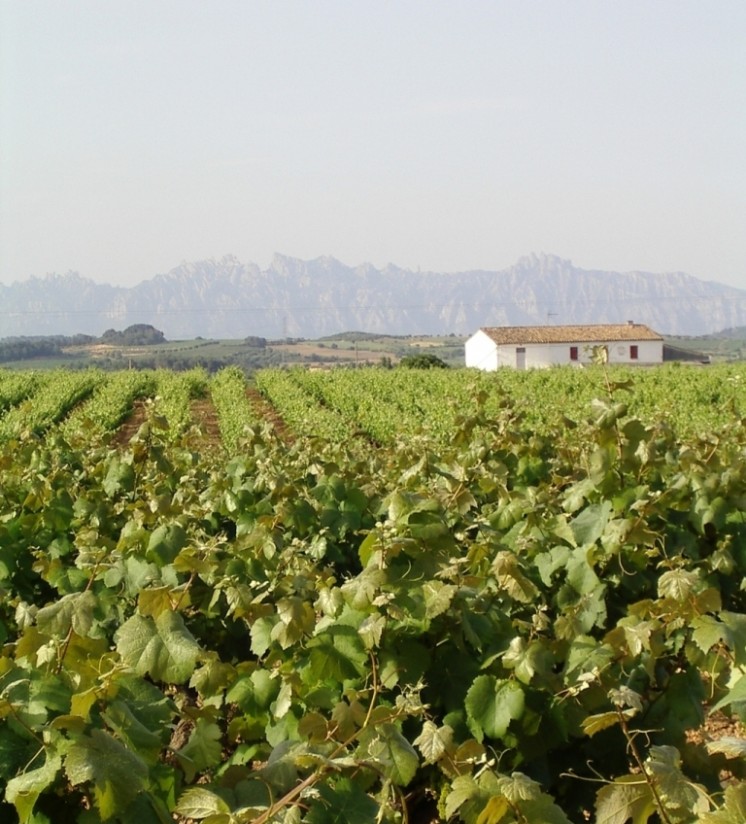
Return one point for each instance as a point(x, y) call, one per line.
point(442, 136)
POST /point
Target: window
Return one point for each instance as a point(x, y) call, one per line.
point(573, 353)
point(633, 352)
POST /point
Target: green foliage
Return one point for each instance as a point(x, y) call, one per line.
point(175, 392)
point(228, 392)
point(516, 623)
point(139, 334)
point(53, 397)
point(110, 404)
point(293, 394)
point(425, 360)
point(16, 387)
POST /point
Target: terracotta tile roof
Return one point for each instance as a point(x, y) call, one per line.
point(597, 333)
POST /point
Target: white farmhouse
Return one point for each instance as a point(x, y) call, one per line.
point(525, 347)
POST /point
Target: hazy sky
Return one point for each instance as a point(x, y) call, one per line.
point(138, 134)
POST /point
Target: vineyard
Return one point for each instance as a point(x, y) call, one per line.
point(373, 595)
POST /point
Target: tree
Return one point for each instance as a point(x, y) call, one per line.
point(423, 361)
point(139, 334)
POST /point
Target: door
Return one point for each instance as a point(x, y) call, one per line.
point(520, 357)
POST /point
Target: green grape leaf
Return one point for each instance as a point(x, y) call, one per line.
point(434, 741)
point(676, 790)
point(736, 639)
point(733, 810)
point(438, 597)
point(24, 790)
point(199, 803)
point(74, 610)
point(627, 798)
point(336, 654)
point(677, 584)
point(120, 476)
point(542, 810)
point(602, 721)
point(526, 660)
point(343, 802)
point(162, 647)
point(580, 573)
point(463, 789)
point(589, 525)
point(519, 787)
point(202, 750)
point(735, 695)
point(261, 636)
point(390, 751)
point(120, 718)
point(371, 630)
point(117, 774)
point(509, 576)
point(165, 543)
point(491, 705)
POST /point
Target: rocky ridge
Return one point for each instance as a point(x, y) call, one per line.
point(311, 298)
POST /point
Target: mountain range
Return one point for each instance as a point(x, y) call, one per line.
point(312, 298)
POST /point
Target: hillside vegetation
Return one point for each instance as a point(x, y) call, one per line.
point(148, 350)
point(128, 349)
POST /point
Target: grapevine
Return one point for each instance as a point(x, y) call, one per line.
point(518, 623)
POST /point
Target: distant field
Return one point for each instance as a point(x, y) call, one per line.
point(215, 354)
point(727, 348)
point(351, 348)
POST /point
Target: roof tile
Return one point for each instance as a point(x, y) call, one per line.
point(597, 333)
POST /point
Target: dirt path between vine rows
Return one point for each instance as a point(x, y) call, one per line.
point(264, 410)
point(128, 429)
point(202, 411)
point(206, 417)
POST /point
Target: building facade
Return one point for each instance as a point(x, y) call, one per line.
point(527, 347)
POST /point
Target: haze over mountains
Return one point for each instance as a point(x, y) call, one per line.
point(297, 298)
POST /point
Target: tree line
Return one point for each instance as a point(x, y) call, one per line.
point(25, 347)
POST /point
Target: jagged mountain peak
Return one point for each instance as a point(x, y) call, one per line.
point(286, 265)
point(310, 298)
point(543, 262)
point(227, 266)
point(57, 277)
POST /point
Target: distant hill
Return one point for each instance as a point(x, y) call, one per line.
point(297, 298)
point(738, 333)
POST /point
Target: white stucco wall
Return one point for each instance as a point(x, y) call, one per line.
point(480, 352)
point(648, 351)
